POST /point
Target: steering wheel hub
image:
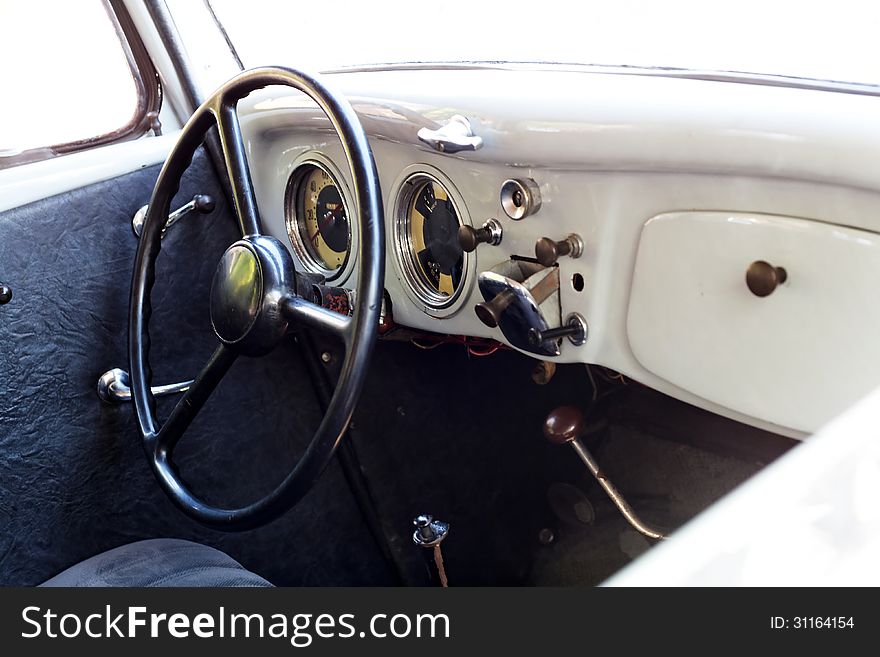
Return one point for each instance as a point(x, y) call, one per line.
point(236, 294)
point(251, 278)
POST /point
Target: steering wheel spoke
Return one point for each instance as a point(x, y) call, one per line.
point(235, 156)
point(193, 399)
point(299, 311)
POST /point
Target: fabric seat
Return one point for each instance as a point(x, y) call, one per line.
point(159, 562)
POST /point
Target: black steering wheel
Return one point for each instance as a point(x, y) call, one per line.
point(254, 297)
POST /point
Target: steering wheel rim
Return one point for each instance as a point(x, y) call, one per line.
point(279, 305)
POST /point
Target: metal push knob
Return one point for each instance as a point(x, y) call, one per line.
point(5, 294)
point(566, 425)
point(520, 198)
point(763, 278)
point(469, 238)
point(548, 251)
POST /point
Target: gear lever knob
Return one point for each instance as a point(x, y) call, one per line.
point(564, 424)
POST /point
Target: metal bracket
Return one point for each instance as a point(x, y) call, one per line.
point(114, 387)
point(453, 136)
point(201, 203)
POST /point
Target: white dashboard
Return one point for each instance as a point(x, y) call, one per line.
point(674, 187)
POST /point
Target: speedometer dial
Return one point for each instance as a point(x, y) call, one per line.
point(433, 227)
point(317, 220)
point(429, 255)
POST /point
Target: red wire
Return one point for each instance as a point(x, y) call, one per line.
point(480, 354)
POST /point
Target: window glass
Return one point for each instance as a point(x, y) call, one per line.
point(796, 38)
point(64, 73)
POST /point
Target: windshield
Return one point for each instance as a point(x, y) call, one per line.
point(797, 38)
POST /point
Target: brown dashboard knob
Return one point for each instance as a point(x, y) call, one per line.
point(548, 251)
point(469, 238)
point(490, 312)
point(762, 278)
point(564, 424)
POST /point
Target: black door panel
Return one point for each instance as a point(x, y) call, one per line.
point(73, 478)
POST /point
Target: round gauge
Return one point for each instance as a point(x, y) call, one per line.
point(317, 220)
point(428, 249)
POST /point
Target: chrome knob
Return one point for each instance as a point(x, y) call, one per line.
point(520, 198)
point(548, 251)
point(5, 294)
point(429, 532)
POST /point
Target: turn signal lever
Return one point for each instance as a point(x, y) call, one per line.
point(201, 203)
point(114, 387)
point(565, 424)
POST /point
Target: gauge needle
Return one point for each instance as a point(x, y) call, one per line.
point(330, 218)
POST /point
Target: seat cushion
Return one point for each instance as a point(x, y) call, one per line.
point(159, 562)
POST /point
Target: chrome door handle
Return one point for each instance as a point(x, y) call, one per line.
point(114, 387)
point(201, 203)
point(453, 136)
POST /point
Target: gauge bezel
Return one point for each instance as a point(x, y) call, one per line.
point(302, 167)
point(417, 288)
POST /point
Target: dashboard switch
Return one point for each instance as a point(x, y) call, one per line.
point(469, 238)
point(548, 251)
point(520, 198)
point(574, 328)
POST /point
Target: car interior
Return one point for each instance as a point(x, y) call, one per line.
point(458, 323)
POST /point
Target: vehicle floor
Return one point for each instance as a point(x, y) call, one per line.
point(460, 437)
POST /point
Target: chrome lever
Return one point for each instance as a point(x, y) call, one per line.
point(566, 425)
point(201, 203)
point(114, 387)
point(453, 136)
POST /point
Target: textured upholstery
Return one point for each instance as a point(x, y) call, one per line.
point(74, 481)
point(159, 562)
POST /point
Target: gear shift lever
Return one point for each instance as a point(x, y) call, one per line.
point(565, 424)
